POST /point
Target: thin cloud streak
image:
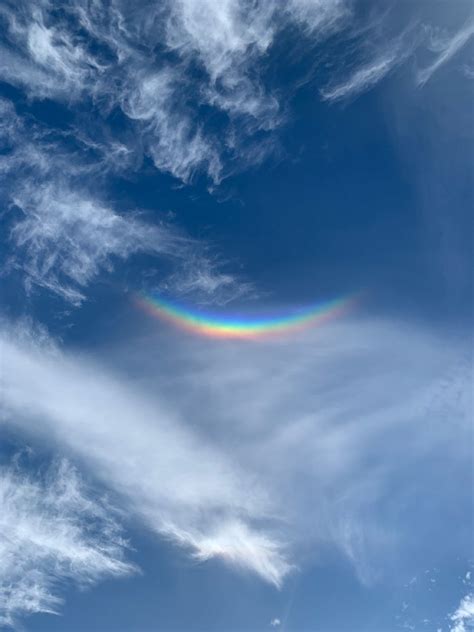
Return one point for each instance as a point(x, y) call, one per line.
point(379, 60)
point(362, 80)
point(447, 49)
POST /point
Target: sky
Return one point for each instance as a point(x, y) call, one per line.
point(236, 351)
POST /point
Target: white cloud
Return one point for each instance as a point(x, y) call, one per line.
point(116, 65)
point(53, 62)
point(31, 152)
point(162, 63)
point(362, 79)
point(64, 238)
point(178, 482)
point(231, 40)
point(45, 60)
point(319, 18)
point(174, 143)
point(446, 48)
point(325, 419)
point(202, 279)
point(52, 532)
point(239, 546)
point(376, 59)
point(258, 454)
point(227, 37)
point(275, 622)
point(381, 55)
point(463, 617)
point(468, 71)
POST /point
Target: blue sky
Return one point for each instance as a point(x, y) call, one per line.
point(236, 158)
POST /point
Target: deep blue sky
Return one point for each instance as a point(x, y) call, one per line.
point(236, 157)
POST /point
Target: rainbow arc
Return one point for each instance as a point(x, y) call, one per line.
point(243, 326)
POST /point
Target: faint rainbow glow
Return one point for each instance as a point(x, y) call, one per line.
point(244, 326)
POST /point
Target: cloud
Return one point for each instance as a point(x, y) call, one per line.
point(237, 545)
point(191, 77)
point(52, 532)
point(174, 479)
point(232, 38)
point(362, 79)
point(173, 142)
point(319, 18)
point(164, 66)
point(31, 151)
point(66, 238)
point(446, 48)
point(57, 62)
point(226, 37)
point(45, 59)
point(378, 53)
point(463, 617)
point(468, 71)
point(376, 57)
point(202, 278)
point(326, 429)
point(262, 455)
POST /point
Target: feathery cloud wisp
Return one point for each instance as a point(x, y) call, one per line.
point(362, 79)
point(446, 48)
point(64, 236)
point(52, 532)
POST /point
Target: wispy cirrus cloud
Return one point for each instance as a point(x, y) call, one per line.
point(44, 57)
point(174, 143)
point(301, 414)
point(265, 420)
point(444, 47)
point(211, 56)
point(173, 68)
point(362, 79)
point(142, 450)
point(377, 55)
point(204, 280)
point(64, 236)
point(66, 239)
point(53, 532)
